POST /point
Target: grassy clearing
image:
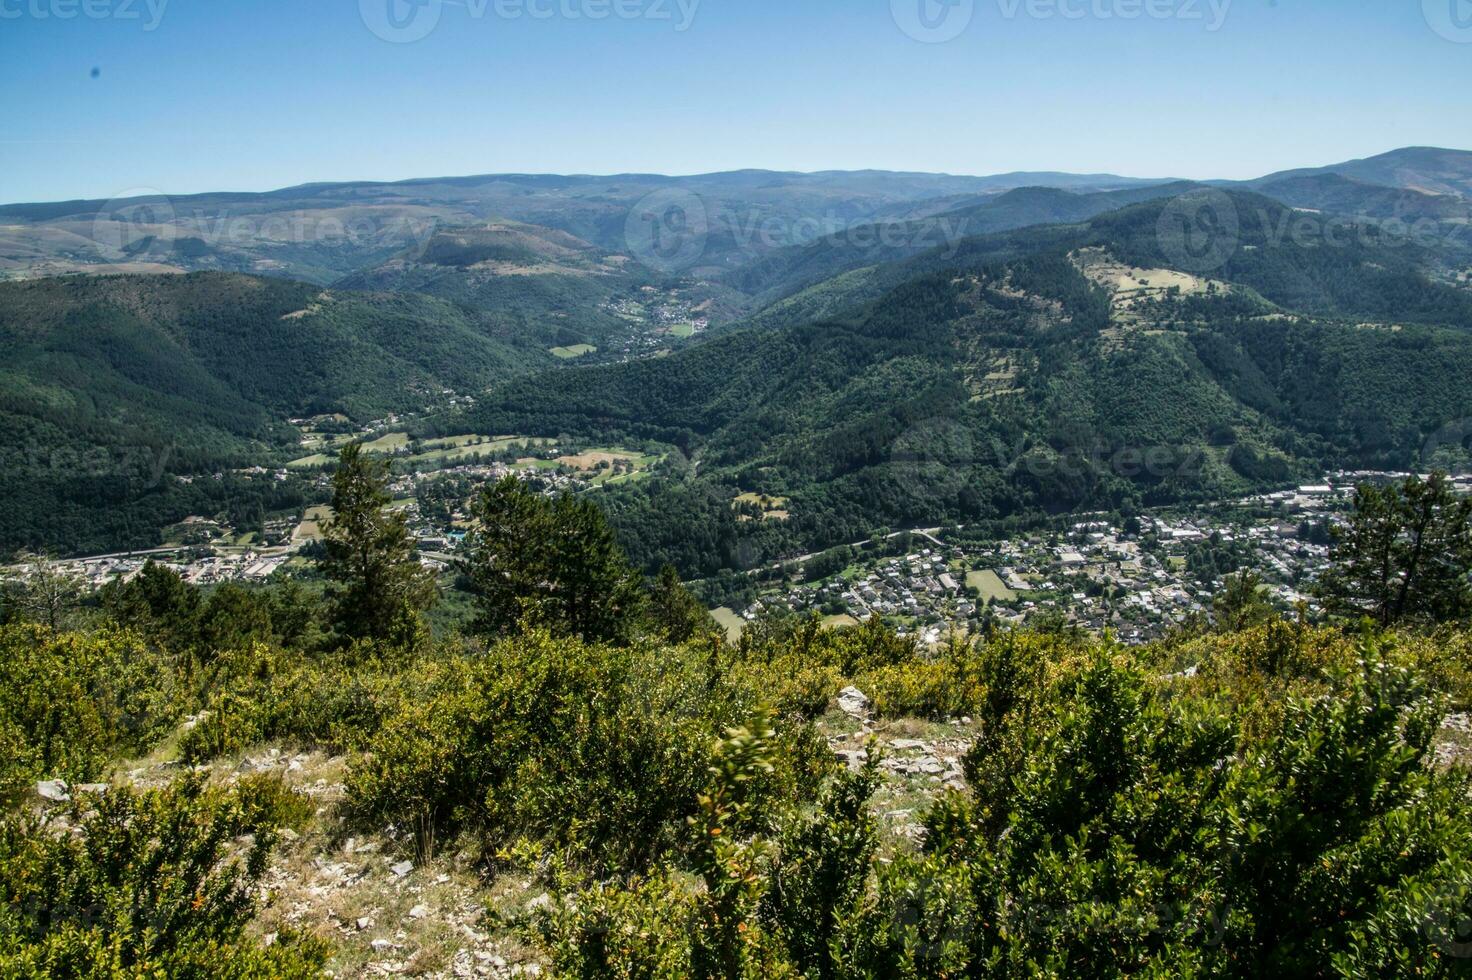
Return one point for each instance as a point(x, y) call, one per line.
point(990, 585)
point(593, 462)
point(733, 624)
point(573, 352)
point(387, 443)
point(465, 447)
point(773, 508)
point(683, 330)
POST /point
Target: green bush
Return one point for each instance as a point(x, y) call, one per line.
point(596, 751)
point(771, 890)
point(1116, 826)
point(158, 884)
point(335, 701)
point(70, 703)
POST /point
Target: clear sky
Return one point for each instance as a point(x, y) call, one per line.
point(194, 95)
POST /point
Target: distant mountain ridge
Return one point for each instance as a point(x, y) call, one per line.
point(323, 232)
point(1430, 170)
point(811, 330)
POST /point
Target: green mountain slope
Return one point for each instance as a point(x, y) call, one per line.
point(110, 387)
point(1034, 372)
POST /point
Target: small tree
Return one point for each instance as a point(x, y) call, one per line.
point(674, 612)
point(1241, 604)
point(1405, 555)
point(158, 603)
point(553, 563)
point(378, 586)
point(46, 592)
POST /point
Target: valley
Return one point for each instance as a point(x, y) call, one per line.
point(653, 490)
point(1056, 353)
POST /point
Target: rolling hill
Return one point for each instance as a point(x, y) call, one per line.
point(322, 232)
point(861, 323)
point(113, 387)
point(1426, 169)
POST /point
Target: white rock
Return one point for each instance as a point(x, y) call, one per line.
point(53, 791)
point(418, 912)
point(402, 868)
point(364, 924)
point(854, 702)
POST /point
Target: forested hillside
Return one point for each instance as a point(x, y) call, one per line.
point(1030, 373)
point(112, 386)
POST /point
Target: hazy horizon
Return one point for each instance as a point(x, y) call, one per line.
point(611, 174)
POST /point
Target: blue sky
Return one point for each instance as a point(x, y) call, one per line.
point(194, 95)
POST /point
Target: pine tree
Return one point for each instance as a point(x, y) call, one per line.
point(1406, 555)
point(673, 611)
point(548, 563)
point(378, 586)
point(1241, 604)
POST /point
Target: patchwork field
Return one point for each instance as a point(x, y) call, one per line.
point(310, 529)
point(388, 443)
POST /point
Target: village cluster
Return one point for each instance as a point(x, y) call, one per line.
point(655, 317)
point(1138, 578)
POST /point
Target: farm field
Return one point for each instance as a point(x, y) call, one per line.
point(310, 529)
point(573, 352)
point(387, 443)
point(733, 624)
point(449, 448)
point(465, 447)
point(635, 465)
point(990, 585)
